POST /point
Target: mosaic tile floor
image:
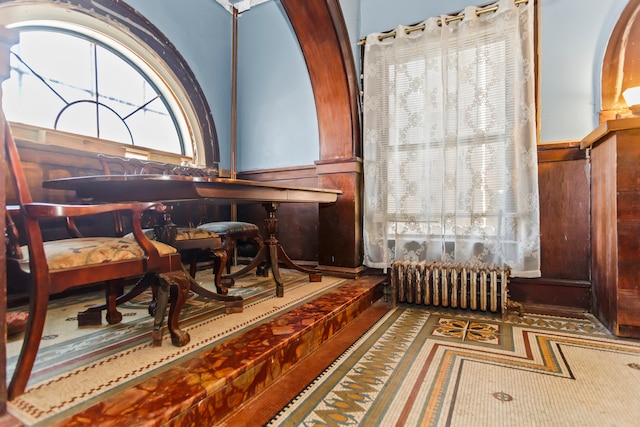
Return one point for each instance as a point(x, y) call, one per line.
point(455, 368)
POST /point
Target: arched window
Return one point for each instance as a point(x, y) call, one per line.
point(105, 73)
point(71, 82)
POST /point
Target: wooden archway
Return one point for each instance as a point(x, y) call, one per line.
point(621, 63)
point(322, 33)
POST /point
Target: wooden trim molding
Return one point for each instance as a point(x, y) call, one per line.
point(560, 152)
point(620, 65)
point(332, 72)
point(324, 41)
point(294, 173)
point(346, 166)
point(572, 294)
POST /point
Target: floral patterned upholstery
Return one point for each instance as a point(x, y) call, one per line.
point(69, 253)
point(183, 233)
point(194, 233)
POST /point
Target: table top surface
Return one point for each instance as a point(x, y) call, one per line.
point(114, 188)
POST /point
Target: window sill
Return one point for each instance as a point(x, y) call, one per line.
point(56, 138)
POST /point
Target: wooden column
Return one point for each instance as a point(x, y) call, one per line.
point(615, 224)
point(321, 31)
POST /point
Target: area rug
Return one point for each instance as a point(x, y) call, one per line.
point(419, 367)
point(77, 366)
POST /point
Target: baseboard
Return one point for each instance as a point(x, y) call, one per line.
point(345, 272)
point(571, 295)
point(556, 310)
point(628, 331)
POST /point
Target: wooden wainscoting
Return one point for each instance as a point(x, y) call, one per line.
point(326, 235)
point(300, 239)
point(564, 183)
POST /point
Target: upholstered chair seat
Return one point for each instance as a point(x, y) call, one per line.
point(182, 234)
point(232, 231)
point(223, 228)
point(84, 251)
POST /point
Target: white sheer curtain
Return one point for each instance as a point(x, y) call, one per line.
point(449, 142)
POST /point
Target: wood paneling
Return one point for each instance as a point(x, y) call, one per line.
point(328, 235)
point(564, 186)
point(299, 222)
point(342, 221)
point(615, 156)
point(572, 294)
point(42, 162)
point(564, 218)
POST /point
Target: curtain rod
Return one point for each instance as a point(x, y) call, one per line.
point(420, 27)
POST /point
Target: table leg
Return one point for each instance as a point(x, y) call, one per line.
point(232, 303)
point(272, 252)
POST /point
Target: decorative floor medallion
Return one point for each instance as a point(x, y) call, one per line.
point(488, 333)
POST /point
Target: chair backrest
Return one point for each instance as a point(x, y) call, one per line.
point(15, 166)
point(114, 165)
point(23, 195)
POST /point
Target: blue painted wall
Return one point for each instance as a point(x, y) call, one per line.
point(277, 125)
point(201, 31)
point(351, 13)
point(574, 39)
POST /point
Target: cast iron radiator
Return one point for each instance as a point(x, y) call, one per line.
point(482, 288)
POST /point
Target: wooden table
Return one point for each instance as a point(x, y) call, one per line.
point(173, 188)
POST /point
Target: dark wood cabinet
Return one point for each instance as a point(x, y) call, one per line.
point(615, 224)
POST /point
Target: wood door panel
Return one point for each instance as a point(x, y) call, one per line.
point(564, 219)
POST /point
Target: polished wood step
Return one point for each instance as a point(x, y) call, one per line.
point(264, 406)
point(212, 384)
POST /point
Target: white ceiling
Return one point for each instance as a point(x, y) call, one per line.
point(240, 5)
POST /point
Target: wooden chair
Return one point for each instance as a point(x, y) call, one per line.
point(188, 240)
point(229, 232)
point(54, 266)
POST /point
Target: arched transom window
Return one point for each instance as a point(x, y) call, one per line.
point(69, 81)
point(98, 69)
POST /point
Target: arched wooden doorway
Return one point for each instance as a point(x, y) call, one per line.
point(621, 63)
